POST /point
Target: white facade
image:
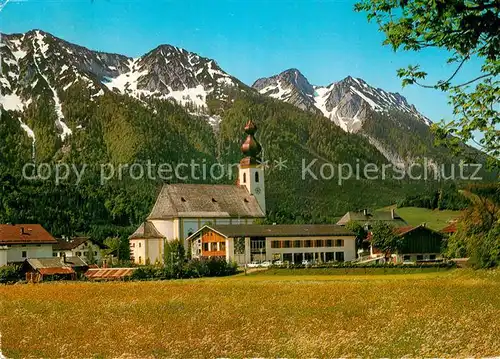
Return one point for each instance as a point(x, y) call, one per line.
point(81, 251)
point(343, 248)
point(152, 249)
point(3, 255)
point(252, 177)
point(17, 253)
point(144, 251)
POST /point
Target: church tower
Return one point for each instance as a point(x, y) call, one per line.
point(251, 174)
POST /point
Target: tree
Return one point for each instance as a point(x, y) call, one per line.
point(90, 257)
point(358, 230)
point(174, 257)
point(478, 229)
point(385, 238)
point(112, 247)
point(467, 29)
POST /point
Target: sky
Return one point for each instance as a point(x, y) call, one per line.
point(326, 40)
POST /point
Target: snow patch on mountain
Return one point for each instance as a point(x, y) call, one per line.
point(320, 101)
point(197, 96)
point(19, 54)
point(28, 130)
point(126, 83)
point(372, 104)
point(66, 131)
point(42, 45)
point(12, 102)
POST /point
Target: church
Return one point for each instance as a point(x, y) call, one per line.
point(183, 209)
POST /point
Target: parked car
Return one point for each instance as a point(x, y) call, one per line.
point(253, 264)
point(278, 263)
point(306, 263)
point(266, 264)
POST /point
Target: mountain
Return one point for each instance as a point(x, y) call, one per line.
point(66, 104)
point(352, 104)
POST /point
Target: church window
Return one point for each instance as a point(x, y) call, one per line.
point(257, 177)
point(244, 178)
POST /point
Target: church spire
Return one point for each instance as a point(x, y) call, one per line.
point(251, 175)
point(251, 148)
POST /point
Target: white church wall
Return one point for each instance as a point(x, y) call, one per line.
point(168, 228)
point(252, 177)
point(138, 250)
point(155, 250)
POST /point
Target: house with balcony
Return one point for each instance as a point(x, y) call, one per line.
point(291, 242)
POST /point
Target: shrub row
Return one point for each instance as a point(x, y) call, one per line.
point(375, 265)
point(195, 268)
point(10, 274)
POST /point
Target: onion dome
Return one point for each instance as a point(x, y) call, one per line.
point(251, 148)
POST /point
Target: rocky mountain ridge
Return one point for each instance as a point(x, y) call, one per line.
point(345, 102)
point(38, 64)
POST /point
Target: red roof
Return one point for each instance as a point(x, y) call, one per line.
point(451, 228)
point(24, 234)
point(52, 271)
point(403, 230)
point(109, 273)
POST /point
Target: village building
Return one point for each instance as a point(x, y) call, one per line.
point(182, 209)
point(77, 247)
point(450, 229)
point(67, 268)
point(367, 219)
point(292, 243)
point(21, 241)
point(419, 244)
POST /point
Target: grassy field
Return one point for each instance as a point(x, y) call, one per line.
point(435, 219)
point(274, 314)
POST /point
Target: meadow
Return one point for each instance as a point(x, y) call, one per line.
point(434, 219)
point(450, 313)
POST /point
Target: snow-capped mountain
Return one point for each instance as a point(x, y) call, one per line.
point(346, 102)
point(58, 88)
point(169, 72)
point(37, 62)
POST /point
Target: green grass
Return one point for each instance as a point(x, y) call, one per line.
point(273, 314)
point(434, 219)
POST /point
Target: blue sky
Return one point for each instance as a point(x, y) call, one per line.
point(325, 40)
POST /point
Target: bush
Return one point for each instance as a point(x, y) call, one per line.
point(10, 274)
point(195, 268)
point(373, 265)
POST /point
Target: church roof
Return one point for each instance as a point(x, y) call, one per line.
point(201, 200)
point(146, 230)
